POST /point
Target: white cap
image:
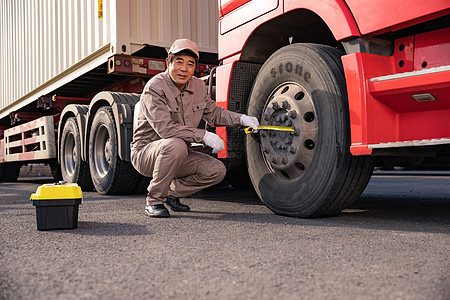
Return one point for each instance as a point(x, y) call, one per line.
point(184, 44)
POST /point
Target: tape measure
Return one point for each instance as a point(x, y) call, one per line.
point(268, 127)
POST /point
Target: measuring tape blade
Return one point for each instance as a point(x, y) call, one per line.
point(269, 127)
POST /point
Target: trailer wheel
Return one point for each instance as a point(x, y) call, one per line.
point(309, 172)
point(9, 172)
point(73, 168)
point(55, 169)
point(110, 174)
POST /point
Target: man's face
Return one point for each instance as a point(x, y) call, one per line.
point(181, 69)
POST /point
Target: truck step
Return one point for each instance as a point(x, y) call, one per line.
point(415, 143)
point(410, 74)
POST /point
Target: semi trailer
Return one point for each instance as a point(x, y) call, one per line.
point(71, 74)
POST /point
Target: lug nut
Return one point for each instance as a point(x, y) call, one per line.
point(292, 149)
point(275, 105)
point(292, 114)
point(284, 160)
point(285, 104)
point(266, 116)
point(275, 159)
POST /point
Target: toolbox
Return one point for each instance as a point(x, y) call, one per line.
point(57, 205)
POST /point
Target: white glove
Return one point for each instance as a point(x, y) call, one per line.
point(250, 121)
point(214, 141)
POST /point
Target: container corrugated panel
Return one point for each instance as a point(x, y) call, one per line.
point(159, 22)
point(41, 40)
point(46, 44)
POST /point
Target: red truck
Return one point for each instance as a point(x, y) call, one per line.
point(363, 83)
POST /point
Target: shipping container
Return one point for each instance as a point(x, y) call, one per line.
point(49, 43)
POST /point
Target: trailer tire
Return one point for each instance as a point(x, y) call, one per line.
point(110, 174)
point(309, 172)
point(73, 168)
point(9, 172)
point(55, 169)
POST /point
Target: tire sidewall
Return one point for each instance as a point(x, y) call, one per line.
point(301, 64)
point(102, 118)
point(55, 169)
point(70, 128)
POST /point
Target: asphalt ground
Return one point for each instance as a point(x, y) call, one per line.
point(393, 243)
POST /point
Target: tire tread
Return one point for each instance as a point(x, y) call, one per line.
point(84, 175)
point(359, 169)
point(125, 176)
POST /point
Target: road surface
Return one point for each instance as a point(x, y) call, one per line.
point(393, 243)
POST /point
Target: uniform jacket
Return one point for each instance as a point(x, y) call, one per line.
point(168, 112)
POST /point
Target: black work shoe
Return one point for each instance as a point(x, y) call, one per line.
point(175, 204)
point(157, 211)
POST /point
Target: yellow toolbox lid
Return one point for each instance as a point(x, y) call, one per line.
point(55, 191)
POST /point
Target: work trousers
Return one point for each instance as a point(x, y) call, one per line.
point(176, 170)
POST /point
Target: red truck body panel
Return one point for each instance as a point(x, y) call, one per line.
point(388, 15)
point(382, 110)
point(241, 22)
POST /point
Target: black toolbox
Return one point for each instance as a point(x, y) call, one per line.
point(57, 206)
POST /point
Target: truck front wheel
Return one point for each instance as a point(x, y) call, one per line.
point(73, 168)
point(110, 174)
point(309, 172)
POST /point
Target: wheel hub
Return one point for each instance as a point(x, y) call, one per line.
point(108, 151)
point(289, 154)
point(103, 151)
point(75, 155)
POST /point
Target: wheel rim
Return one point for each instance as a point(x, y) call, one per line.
point(70, 154)
point(288, 155)
point(102, 151)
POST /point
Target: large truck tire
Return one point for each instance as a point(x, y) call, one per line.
point(110, 174)
point(55, 169)
point(309, 172)
point(73, 168)
point(9, 172)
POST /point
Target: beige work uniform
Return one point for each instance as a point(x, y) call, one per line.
point(167, 124)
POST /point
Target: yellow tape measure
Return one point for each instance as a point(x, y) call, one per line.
point(268, 127)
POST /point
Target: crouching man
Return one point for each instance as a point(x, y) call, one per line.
point(172, 106)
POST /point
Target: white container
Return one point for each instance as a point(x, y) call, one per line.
point(46, 44)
